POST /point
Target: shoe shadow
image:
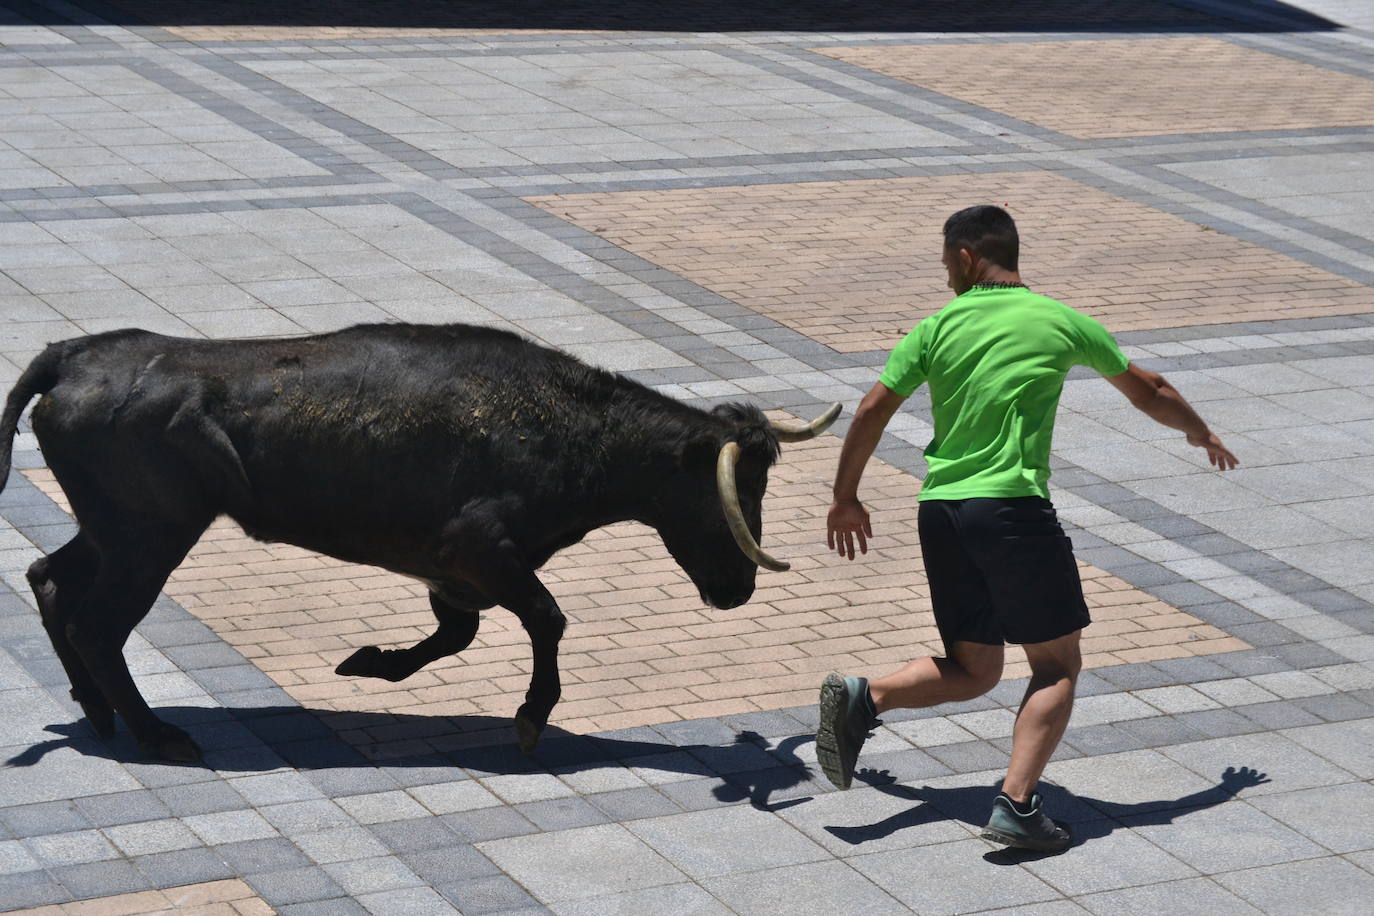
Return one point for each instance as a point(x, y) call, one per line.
point(1087, 818)
point(745, 766)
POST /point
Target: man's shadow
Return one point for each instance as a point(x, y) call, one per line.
point(260, 739)
point(1086, 817)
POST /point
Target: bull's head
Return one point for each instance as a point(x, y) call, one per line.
point(725, 577)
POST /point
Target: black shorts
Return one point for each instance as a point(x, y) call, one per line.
point(1000, 570)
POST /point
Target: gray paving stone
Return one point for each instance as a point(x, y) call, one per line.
point(444, 865)
point(488, 824)
point(725, 841)
point(1159, 730)
point(1339, 743)
point(1101, 739)
point(1278, 714)
point(230, 826)
point(628, 804)
point(74, 848)
point(1289, 764)
point(370, 876)
point(1334, 816)
point(338, 906)
point(804, 889)
point(1119, 859)
point(200, 798)
point(183, 866)
point(99, 879)
point(581, 863)
point(251, 856)
point(889, 815)
point(1223, 837)
point(658, 901)
point(1192, 897)
point(314, 816)
point(970, 756)
point(451, 797)
point(294, 885)
point(1216, 723)
point(43, 818)
point(122, 808)
point(562, 813)
point(492, 894)
point(943, 888)
point(150, 837)
point(14, 858)
point(410, 901)
point(1337, 707)
point(1326, 885)
point(32, 889)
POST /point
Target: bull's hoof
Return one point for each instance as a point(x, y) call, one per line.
point(100, 717)
point(171, 744)
point(366, 662)
point(527, 733)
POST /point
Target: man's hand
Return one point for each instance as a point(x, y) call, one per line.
point(1150, 393)
point(1218, 454)
point(848, 520)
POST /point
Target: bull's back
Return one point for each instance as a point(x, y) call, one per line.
point(384, 428)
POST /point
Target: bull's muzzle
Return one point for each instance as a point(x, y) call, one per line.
point(729, 492)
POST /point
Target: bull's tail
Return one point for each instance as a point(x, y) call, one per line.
point(40, 378)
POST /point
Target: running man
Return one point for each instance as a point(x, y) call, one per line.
point(999, 566)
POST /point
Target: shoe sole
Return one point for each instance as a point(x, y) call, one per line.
point(827, 741)
point(1018, 842)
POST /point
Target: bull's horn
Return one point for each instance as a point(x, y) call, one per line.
point(734, 515)
point(810, 430)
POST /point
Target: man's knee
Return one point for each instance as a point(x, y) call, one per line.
point(981, 665)
point(1058, 659)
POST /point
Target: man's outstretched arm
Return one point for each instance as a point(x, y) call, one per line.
point(1150, 393)
point(848, 518)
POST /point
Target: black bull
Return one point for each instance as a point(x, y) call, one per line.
point(461, 456)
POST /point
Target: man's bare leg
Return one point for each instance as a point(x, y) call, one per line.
point(1044, 712)
point(971, 670)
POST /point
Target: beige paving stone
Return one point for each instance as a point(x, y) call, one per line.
point(1130, 87)
point(855, 264)
point(652, 653)
point(211, 898)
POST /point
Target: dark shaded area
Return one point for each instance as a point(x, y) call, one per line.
point(695, 16)
point(764, 771)
point(1085, 817)
point(259, 739)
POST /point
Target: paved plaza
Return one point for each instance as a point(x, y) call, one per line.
point(729, 201)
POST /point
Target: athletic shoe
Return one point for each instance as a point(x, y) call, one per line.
point(844, 726)
point(1025, 831)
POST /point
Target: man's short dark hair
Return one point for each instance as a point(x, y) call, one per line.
point(990, 231)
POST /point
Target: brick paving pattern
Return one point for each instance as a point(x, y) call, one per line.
point(855, 264)
point(1177, 85)
point(212, 898)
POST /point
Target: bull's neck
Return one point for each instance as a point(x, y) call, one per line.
point(646, 446)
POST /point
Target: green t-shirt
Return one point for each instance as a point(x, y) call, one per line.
point(996, 360)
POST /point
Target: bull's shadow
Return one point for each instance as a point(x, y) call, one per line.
point(744, 766)
point(1088, 818)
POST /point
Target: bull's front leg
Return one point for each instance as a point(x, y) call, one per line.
point(456, 607)
point(544, 621)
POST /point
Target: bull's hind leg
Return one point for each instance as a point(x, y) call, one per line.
point(133, 567)
point(455, 606)
point(59, 581)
